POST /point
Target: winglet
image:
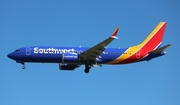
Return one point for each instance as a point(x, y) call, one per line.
point(115, 33)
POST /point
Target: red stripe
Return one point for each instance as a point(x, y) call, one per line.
point(154, 41)
point(149, 46)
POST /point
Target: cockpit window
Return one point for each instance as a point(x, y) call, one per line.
point(17, 50)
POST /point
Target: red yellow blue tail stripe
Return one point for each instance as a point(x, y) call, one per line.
point(140, 51)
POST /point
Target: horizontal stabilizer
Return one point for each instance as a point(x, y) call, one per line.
point(159, 50)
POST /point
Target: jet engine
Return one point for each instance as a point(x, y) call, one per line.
point(64, 66)
point(68, 58)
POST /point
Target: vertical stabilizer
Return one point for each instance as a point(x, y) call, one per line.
point(154, 39)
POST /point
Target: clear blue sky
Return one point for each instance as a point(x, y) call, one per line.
point(86, 23)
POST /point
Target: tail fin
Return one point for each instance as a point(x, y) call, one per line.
point(154, 39)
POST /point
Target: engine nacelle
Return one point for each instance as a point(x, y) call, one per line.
point(68, 58)
point(67, 67)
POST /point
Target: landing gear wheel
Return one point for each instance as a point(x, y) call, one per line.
point(87, 67)
point(23, 67)
point(86, 70)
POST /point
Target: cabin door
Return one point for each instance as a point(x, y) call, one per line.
point(28, 51)
point(138, 55)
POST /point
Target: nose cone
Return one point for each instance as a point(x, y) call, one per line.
point(10, 55)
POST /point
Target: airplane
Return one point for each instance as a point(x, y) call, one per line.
point(70, 58)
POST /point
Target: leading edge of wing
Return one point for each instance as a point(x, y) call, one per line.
point(93, 52)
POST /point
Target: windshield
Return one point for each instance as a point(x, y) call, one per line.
point(17, 50)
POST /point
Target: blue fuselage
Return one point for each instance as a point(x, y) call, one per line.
point(51, 54)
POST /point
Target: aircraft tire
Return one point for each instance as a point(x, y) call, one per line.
point(23, 67)
point(86, 70)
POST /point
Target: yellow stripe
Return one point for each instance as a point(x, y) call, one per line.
point(152, 33)
point(132, 50)
point(129, 52)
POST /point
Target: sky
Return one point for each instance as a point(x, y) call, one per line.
point(86, 23)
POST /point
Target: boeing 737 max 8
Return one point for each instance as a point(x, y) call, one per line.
point(70, 58)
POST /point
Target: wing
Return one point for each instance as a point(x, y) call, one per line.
point(95, 51)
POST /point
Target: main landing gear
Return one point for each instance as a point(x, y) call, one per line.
point(87, 68)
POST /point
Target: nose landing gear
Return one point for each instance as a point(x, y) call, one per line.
point(23, 67)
